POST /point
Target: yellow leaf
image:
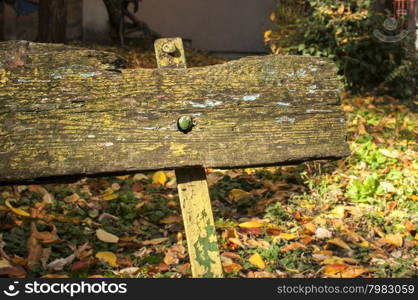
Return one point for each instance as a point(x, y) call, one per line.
point(394, 239)
point(414, 197)
point(140, 204)
point(108, 257)
point(341, 9)
point(379, 231)
point(124, 177)
point(340, 243)
point(237, 194)
point(257, 261)
point(110, 197)
point(353, 271)
point(251, 224)
point(249, 171)
point(339, 211)
point(309, 228)
point(273, 16)
point(365, 244)
point(159, 177)
point(266, 36)
point(332, 261)
point(332, 270)
point(17, 211)
point(106, 237)
point(287, 236)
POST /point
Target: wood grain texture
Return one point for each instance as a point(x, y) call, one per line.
point(65, 111)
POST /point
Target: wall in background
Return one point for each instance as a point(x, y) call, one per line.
point(214, 25)
point(217, 25)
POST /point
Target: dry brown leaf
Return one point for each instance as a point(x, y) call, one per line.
point(352, 236)
point(130, 271)
point(46, 237)
point(409, 226)
point(233, 267)
point(174, 254)
point(258, 243)
point(34, 247)
point(237, 194)
point(106, 237)
point(322, 233)
point(292, 247)
point(334, 269)
point(306, 239)
point(262, 274)
point(55, 276)
point(231, 255)
point(353, 271)
point(60, 263)
point(154, 241)
point(338, 242)
point(274, 230)
point(236, 242)
point(72, 198)
point(171, 219)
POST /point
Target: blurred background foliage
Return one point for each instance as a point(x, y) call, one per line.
point(343, 31)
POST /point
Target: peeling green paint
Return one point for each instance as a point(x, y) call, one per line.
point(204, 246)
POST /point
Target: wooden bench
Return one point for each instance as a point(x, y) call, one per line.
point(67, 112)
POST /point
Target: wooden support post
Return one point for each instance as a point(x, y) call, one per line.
point(193, 189)
point(198, 222)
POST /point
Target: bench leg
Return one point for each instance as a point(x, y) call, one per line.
point(198, 222)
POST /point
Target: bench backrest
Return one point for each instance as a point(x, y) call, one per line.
point(67, 111)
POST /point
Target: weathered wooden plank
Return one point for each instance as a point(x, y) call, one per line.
point(193, 189)
point(65, 111)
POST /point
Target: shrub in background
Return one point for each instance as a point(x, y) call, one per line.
point(344, 31)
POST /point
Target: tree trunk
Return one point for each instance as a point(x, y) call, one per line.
point(117, 11)
point(1, 20)
point(52, 21)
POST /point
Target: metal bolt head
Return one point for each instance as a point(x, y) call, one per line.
point(169, 48)
point(185, 123)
